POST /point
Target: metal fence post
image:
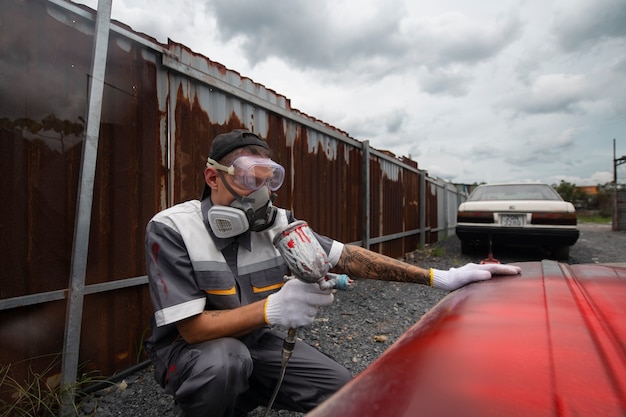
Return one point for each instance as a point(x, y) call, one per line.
point(366, 194)
point(422, 209)
point(76, 293)
point(446, 209)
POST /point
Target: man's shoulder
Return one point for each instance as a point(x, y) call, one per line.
point(187, 208)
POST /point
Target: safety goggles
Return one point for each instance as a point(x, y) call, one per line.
point(253, 172)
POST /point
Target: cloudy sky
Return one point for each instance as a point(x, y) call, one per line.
point(474, 91)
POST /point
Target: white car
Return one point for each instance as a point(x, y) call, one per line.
point(523, 214)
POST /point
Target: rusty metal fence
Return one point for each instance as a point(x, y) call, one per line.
point(619, 213)
point(101, 127)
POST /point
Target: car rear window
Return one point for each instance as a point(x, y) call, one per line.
point(514, 192)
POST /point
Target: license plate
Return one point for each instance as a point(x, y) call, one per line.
point(512, 220)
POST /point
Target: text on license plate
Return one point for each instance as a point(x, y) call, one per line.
point(512, 220)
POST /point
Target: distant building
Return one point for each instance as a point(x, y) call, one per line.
point(590, 190)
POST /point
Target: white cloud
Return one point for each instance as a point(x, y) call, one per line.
point(490, 91)
point(584, 24)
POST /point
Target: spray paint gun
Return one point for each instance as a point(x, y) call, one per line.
point(308, 262)
point(306, 258)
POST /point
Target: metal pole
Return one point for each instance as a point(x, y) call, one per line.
point(76, 293)
point(446, 208)
point(422, 209)
point(366, 194)
point(614, 211)
point(617, 223)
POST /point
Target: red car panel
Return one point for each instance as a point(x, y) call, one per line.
point(550, 342)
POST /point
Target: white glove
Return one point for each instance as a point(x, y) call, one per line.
point(457, 277)
point(296, 304)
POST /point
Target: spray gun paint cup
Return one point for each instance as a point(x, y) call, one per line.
point(302, 252)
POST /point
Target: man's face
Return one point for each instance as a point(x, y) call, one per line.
point(254, 175)
point(236, 187)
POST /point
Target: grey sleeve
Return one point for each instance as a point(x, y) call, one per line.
point(175, 295)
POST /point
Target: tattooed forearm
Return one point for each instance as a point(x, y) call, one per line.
point(360, 262)
point(213, 313)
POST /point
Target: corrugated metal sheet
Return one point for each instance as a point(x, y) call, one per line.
point(162, 106)
point(432, 211)
point(43, 103)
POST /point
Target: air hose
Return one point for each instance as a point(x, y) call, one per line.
point(330, 281)
point(288, 345)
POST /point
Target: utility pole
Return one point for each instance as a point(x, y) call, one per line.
point(616, 163)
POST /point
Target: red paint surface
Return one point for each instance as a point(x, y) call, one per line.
point(551, 342)
point(155, 249)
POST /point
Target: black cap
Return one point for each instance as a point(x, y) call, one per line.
point(225, 143)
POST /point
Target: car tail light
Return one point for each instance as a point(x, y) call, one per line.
point(554, 219)
point(474, 217)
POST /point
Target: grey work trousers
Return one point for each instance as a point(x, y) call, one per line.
point(224, 377)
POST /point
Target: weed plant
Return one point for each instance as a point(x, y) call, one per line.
point(601, 218)
point(40, 393)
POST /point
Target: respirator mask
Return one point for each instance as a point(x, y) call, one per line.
point(255, 211)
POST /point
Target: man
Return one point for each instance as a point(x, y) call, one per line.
point(217, 285)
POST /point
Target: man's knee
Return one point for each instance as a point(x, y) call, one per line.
point(343, 377)
point(215, 373)
point(223, 362)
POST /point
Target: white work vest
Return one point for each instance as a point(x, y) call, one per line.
point(263, 267)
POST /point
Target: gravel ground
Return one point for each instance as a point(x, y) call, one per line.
point(361, 323)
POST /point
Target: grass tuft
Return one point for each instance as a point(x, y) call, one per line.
point(598, 218)
point(40, 393)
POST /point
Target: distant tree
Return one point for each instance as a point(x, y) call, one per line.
point(580, 198)
point(605, 197)
point(565, 190)
point(569, 192)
